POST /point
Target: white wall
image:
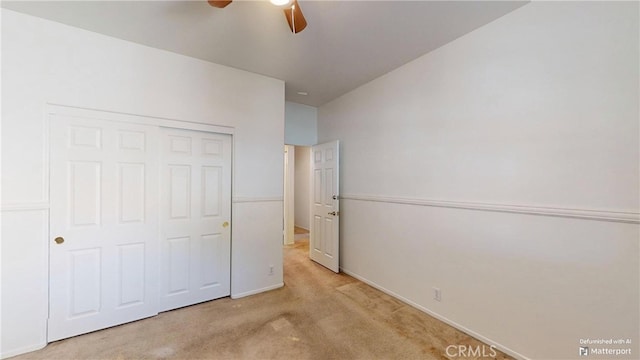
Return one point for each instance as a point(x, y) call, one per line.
point(301, 124)
point(46, 62)
point(303, 186)
point(474, 169)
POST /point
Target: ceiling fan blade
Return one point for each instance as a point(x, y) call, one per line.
point(219, 4)
point(294, 16)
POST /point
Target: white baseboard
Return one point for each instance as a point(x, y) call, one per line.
point(465, 330)
point(257, 291)
point(23, 350)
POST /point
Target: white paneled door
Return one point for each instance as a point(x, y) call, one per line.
point(103, 224)
point(325, 226)
point(139, 220)
point(195, 236)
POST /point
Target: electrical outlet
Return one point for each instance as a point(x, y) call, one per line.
point(270, 269)
point(437, 294)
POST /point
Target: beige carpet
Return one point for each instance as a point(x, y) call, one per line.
point(317, 315)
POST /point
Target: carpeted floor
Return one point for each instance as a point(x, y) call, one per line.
point(317, 315)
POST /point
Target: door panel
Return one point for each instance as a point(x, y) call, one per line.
point(178, 261)
point(130, 274)
point(195, 233)
point(85, 193)
point(211, 186)
point(85, 266)
point(210, 247)
point(180, 191)
point(103, 178)
point(131, 194)
point(325, 227)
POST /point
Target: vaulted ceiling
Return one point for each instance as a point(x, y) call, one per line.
point(345, 45)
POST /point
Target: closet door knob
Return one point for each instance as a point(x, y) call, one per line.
point(59, 240)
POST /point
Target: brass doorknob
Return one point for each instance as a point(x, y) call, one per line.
point(225, 224)
point(59, 240)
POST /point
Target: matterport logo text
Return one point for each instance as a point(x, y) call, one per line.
point(615, 347)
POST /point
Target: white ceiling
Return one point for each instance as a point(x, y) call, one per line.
point(346, 44)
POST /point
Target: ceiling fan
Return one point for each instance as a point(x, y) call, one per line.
point(292, 12)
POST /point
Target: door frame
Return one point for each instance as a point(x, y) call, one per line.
point(289, 194)
point(55, 109)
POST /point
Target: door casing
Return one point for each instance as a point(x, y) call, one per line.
point(289, 194)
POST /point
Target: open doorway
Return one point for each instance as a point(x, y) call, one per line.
point(297, 193)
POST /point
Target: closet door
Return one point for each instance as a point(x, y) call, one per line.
point(195, 236)
point(103, 224)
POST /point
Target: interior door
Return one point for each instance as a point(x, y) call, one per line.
point(195, 260)
point(103, 224)
point(324, 243)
